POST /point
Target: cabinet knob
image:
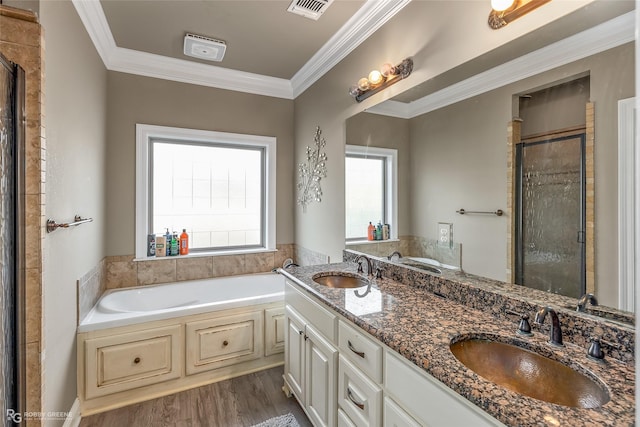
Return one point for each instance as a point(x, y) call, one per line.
point(136, 360)
point(225, 343)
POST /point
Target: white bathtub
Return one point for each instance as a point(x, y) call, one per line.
point(121, 307)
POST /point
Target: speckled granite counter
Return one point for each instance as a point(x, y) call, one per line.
point(420, 325)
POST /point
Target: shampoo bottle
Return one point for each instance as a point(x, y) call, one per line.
point(167, 243)
point(175, 249)
point(184, 242)
point(371, 232)
point(379, 231)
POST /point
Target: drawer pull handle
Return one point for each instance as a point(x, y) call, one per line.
point(136, 360)
point(354, 401)
point(225, 343)
point(359, 353)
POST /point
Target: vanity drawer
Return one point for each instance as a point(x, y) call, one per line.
point(322, 319)
point(224, 341)
point(343, 419)
point(430, 401)
point(122, 362)
point(365, 353)
point(358, 396)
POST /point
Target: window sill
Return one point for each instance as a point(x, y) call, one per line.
point(369, 242)
point(207, 254)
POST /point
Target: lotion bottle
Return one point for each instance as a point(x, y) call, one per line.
point(184, 242)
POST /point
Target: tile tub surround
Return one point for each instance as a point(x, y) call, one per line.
point(91, 286)
point(419, 325)
point(124, 272)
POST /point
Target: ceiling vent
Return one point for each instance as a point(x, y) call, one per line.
point(204, 47)
point(311, 9)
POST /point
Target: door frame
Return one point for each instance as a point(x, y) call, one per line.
point(514, 137)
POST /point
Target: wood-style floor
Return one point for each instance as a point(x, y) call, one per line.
point(238, 402)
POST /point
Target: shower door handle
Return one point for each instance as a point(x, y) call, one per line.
point(581, 236)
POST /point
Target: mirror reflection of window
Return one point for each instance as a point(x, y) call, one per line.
point(371, 188)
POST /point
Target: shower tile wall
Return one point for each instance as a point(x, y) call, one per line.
point(21, 41)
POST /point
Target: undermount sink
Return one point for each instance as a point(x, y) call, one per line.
point(528, 373)
point(340, 280)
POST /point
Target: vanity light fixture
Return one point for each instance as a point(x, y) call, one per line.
point(505, 11)
point(381, 79)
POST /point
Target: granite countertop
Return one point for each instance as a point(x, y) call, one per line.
point(421, 325)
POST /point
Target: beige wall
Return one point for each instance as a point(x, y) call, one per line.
point(458, 157)
point(425, 31)
point(75, 122)
point(135, 99)
point(372, 130)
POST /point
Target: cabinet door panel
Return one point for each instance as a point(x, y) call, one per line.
point(294, 353)
point(395, 416)
point(274, 331)
point(320, 390)
point(224, 341)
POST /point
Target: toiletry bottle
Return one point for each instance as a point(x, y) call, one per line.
point(151, 245)
point(385, 232)
point(379, 231)
point(167, 243)
point(371, 232)
point(184, 242)
point(161, 246)
point(175, 245)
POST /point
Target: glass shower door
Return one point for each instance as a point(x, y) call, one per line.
point(550, 208)
point(11, 200)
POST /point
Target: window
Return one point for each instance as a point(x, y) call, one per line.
point(370, 190)
point(218, 186)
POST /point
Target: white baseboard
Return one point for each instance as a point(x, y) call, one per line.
point(73, 417)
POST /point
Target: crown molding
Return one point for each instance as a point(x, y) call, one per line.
point(371, 16)
point(605, 36)
point(366, 21)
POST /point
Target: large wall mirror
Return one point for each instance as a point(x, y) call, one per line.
point(458, 150)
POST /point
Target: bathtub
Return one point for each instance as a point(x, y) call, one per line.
point(120, 307)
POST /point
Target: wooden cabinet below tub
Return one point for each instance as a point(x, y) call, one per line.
point(223, 341)
point(122, 362)
point(128, 364)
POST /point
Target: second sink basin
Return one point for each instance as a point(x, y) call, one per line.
point(340, 280)
point(529, 373)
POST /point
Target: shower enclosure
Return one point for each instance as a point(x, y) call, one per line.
point(550, 215)
point(12, 306)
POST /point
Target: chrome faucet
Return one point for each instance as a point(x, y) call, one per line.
point(394, 253)
point(555, 333)
point(369, 264)
point(582, 302)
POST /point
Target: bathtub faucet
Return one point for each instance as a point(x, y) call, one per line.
point(394, 253)
point(582, 302)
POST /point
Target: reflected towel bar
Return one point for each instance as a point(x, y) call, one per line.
point(499, 212)
point(53, 226)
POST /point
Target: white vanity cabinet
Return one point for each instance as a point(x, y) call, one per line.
point(375, 385)
point(311, 359)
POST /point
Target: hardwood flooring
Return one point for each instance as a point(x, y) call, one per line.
point(238, 402)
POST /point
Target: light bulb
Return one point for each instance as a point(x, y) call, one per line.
point(363, 84)
point(375, 77)
point(354, 91)
point(387, 70)
point(501, 5)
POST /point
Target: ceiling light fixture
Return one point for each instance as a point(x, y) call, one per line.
point(506, 11)
point(381, 79)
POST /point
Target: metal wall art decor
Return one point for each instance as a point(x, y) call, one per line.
point(312, 171)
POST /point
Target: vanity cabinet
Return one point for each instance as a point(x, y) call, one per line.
point(310, 359)
point(274, 331)
point(375, 385)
